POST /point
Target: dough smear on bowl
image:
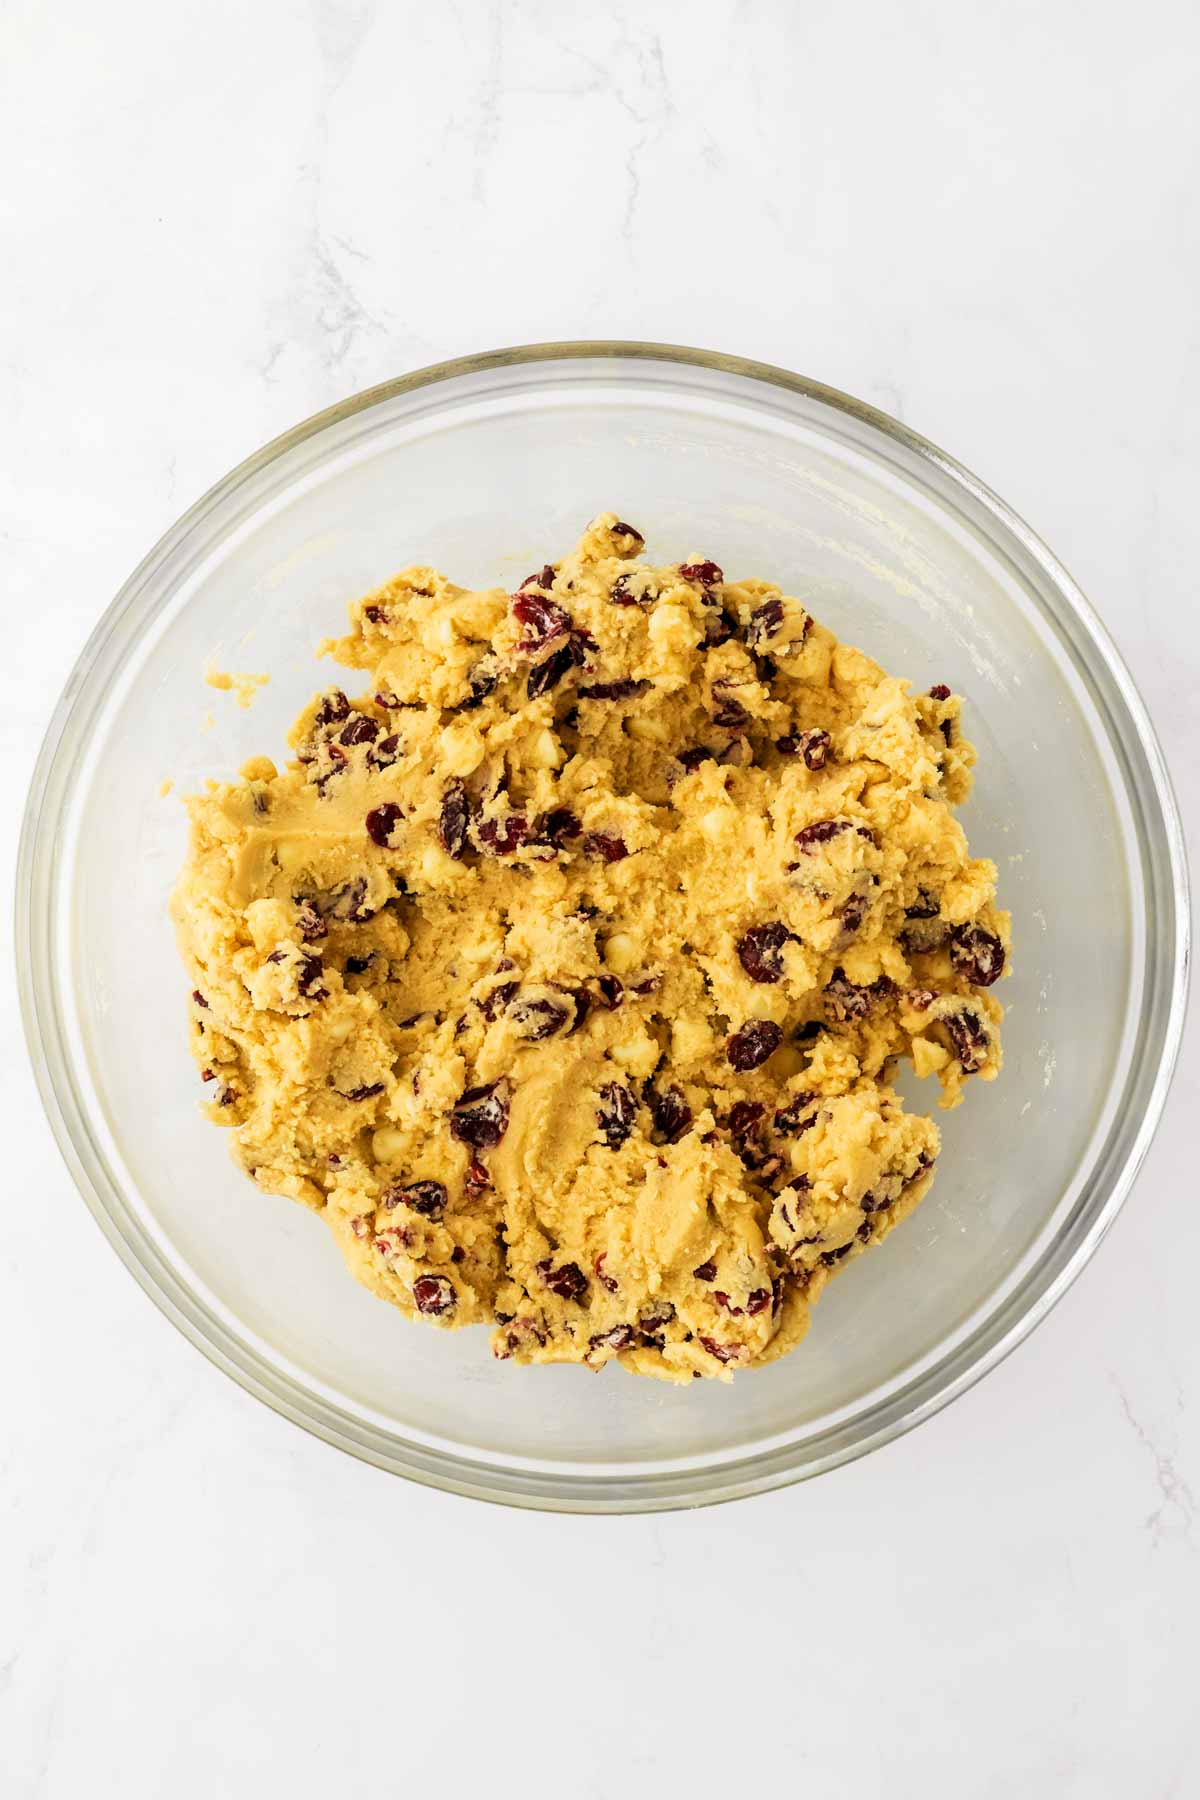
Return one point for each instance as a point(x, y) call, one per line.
point(565, 971)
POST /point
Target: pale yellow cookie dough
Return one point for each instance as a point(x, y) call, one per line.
point(566, 970)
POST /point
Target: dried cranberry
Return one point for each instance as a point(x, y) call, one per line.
point(382, 821)
point(829, 1257)
point(650, 985)
point(362, 729)
point(478, 1178)
point(744, 1116)
point(504, 835)
point(692, 759)
point(925, 906)
point(619, 1338)
point(760, 951)
point(702, 574)
point(753, 1043)
point(977, 955)
point(672, 1116)
point(613, 690)
point(612, 991)
point(538, 1019)
point(940, 692)
point(568, 1281)
point(920, 999)
point(482, 681)
point(543, 578)
point(559, 827)
point(758, 1301)
point(346, 902)
point(495, 1002)
point(728, 712)
point(763, 623)
point(548, 674)
point(969, 1038)
point(374, 615)
point(543, 622)
point(605, 846)
point(433, 1294)
point(719, 626)
point(846, 1000)
point(385, 752)
point(208, 1074)
point(425, 1197)
point(480, 1116)
point(823, 830)
point(606, 1281)
point(312, 925)
point(309, 973)
point(725, 1353)
point(616, 1114)
point(788, 1122)
point(622, 530)
point(652, 1322)
point(365, 1093)
point(621, 595)
point(852, 914)
point(707, 1271)
point(357, 965)
point(814, 747)
point(387, 700)
point(454, 819)
point(583, 1005)
point(333, 709)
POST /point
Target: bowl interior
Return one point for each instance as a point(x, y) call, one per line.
point(486, 479)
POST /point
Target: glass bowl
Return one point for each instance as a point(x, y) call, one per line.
point(486, 467)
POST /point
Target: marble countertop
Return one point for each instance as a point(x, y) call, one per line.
point(219, 218)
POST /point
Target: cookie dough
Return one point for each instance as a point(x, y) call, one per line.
point(566, 970)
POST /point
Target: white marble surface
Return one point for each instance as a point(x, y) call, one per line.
point(217, 218)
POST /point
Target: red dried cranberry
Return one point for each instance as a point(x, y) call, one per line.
point(728, 712)
point(482, 681)
point(759, 1300)
point(724, 1353)
point(622, 530)
point(616, 1114)
point(454, 819)
point(940, 692)
point(622, 595)
point(425, 1197)
point(977, 955)
point(538, 1019)
point(613, 690)
point(385, 752)
point(365, 1093)
point(744, 1116)
point(548, 674)
point(346, 902)
point(199, 999)
point(357, 965)
point(606, 1281)
point(650, 985)
point(504, 835)
point(829, 1257)
point(707, 1271)
point(763, 623)
point(374, 615)
point(823, 830)
point(925, 906)
point(362, 729)
point(543, 578)
point(568, 1281)
point(702, 574)
point(814, 747)
point(969, 1038)
point(612, 991)
point(852, 914)
point(920, 999)
point(660, 1314)
point(312, 925)
point(478, 1178)
point(310, 971)
point(605, 846)
point(333, 709)
point(719, 626)
point(480, 1116)
point(208, 1074)
point(788, 1121)
point(543, 622)
point(847, 1001)
point(692, 759)
point(494, 1003)
point(558, 827)
point(382, 822)
point(672, 1116)
point(619, 1338)
point(583, 1005)
point(753, 1043)
point(760, 951)
point(386, 699)
point(433, 1294)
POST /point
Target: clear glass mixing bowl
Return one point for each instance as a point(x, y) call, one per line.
point(486, 467)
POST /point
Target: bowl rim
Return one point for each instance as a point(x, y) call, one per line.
point(936, 1385)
